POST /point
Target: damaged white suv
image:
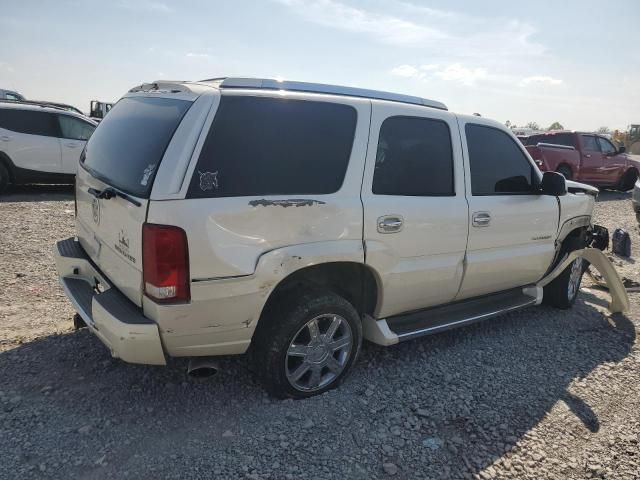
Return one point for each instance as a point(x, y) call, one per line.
point(291, 220)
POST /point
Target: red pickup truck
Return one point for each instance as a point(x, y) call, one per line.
point(584, 157)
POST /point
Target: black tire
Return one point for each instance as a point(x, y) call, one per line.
point(4, 178)
point(559, 293)
point(628, 181)
point(286, 320)
point(78, 322)
point(565, 170)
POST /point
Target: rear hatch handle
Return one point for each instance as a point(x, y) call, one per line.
point(110, 192)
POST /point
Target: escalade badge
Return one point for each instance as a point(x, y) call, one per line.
point(122, 247)
point(95, 208)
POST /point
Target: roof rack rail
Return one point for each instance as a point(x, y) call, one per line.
point(272, 84)
point(30, 102)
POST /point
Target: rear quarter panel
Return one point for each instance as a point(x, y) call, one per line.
point(240, 248)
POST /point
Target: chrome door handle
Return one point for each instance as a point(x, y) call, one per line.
point(390, 223)
point(587, 155)
point(481, 219)
point(5, 138)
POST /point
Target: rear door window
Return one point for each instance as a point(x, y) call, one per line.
point(414, 158)
point(126, 148)
point(74, 128)
point(498, 165)
point(30, 122)
point(273, 146)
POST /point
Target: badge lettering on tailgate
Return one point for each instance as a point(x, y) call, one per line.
point(122, 247)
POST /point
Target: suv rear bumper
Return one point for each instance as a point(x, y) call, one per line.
point(111, 316)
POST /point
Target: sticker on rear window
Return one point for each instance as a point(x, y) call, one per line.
point(146, 174)
point(208, 180)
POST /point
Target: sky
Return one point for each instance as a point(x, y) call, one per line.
point(576, 62)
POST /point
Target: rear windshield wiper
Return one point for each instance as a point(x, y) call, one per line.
point(110, 192)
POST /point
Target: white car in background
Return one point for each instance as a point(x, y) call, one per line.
point(10, 95)
point(40, 143)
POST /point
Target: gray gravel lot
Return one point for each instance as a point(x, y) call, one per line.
point(535, 394)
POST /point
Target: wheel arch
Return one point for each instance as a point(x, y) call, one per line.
point(355, 281)
point(8, 164)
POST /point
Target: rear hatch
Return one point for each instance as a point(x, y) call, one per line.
point(114, 183)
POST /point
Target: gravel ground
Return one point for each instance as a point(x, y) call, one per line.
point(535, 394)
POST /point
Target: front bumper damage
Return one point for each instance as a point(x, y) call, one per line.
point(619, 299)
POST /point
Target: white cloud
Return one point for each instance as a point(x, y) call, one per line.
point(541, 80)
point(6, 67)
point(445, 35)
point(145, 5)
point(384, 28)
point(461, 74)
point(454, 72)
point(407, 71)
point(197, 55)
point(469, 76)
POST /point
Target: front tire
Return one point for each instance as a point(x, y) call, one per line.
point(306, 344)
point(563, 291)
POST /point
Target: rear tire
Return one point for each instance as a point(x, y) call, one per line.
point(305, 344)
point(564, 170)
point(4, 178)
point(628, 180)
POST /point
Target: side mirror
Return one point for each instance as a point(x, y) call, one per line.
point(622, 149)
point(553, 183)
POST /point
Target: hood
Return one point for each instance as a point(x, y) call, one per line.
point(576, 187)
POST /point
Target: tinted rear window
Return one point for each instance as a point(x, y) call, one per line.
point(414, 158)
point(29, 121)
point(127, 146)
point(272, 146)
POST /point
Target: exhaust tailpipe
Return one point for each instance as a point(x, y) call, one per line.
point(202, 367)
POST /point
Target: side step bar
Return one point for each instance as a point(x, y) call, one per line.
point(437, 319)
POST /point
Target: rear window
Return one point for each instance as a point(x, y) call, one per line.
point(272, 146)
point(29, 122)
point(127, 146)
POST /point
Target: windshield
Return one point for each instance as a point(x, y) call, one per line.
point(128, 145)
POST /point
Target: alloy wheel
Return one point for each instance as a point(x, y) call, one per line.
point(319, 352)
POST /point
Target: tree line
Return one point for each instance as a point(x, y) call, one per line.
point(553, 126)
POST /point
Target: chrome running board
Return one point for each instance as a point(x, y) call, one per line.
point(437, 319)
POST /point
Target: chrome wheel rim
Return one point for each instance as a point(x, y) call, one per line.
point(318, 353)
point(574, 277)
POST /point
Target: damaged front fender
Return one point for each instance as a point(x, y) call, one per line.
point(619, 299)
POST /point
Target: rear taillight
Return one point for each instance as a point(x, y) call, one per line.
point(165, 263)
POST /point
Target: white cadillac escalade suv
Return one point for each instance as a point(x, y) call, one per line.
point(291, 221)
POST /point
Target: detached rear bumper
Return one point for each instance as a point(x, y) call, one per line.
point(111, 316)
